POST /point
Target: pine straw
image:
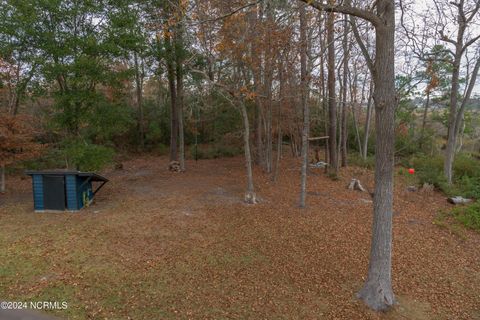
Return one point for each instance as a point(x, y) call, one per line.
point(163, 245)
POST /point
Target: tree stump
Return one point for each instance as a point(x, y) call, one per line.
point(356, 185)
point(174, 166)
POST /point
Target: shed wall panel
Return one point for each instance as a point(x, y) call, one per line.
point(37, 181)
point(71, 192)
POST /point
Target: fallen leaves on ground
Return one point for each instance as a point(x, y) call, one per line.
point(159, 244)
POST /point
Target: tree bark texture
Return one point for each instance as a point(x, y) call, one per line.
point(332, 106)
point(377, 291)
point(250, 196)
point(2, 178)
point(173, 98)
point(179, 77)
point(306, 116)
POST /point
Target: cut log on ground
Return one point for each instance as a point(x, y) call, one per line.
point(459, 200)
point(319, 164)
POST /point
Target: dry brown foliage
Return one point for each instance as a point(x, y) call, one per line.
point(17, 139)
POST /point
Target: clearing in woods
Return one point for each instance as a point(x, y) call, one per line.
point(157, 244)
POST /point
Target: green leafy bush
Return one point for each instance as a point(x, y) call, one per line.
point(466, 174)
point(160, 149)
point(429, 170)
point(86, 156)
point(357, 160)
point(352, 141)
point(468, 187)
point(466, 165)
point(468, 216)
point(51, 159)
point(405, 145)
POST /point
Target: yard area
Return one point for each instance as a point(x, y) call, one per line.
point(163, 245)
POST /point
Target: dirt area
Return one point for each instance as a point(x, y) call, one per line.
point(162, 245)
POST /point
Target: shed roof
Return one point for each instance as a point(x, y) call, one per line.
point(93, 176)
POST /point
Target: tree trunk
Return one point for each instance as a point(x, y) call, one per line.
point(181, 137)
point(260, 158)
point(377, 291)
point(450, 151)
point(466, 98)
point(323, 91)
point(16, 104)
point(367, 122)
point(332, 107)
point(173, 99)
point(424, 119)
point(254, 18)
point(452, 118)
point(340, 115)
point(139, 87)
point(269, 69)
point(460, 134)
point(179, 73)
point(303, 92)
point(250, 196)
point(2, 178)
point(353, 99)
point(344, 135)
point(279, 148)
point(279, 122)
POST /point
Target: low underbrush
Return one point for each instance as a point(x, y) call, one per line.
point(466, 183)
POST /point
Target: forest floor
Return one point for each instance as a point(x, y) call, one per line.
point(163, 245)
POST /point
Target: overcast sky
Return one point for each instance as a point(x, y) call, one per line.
point(415, 14)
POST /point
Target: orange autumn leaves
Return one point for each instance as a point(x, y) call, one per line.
point(249, 39)
point(17, 139)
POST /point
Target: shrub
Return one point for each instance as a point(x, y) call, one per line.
point(357, 160)
point(468, 187)
point(352, 142)
point(466, 165)
point(466, 174)
point(426, 141)
point(160, 149)
point(405, 145)
point(429, 170)
point(468, 216)
point(213, 152)
point(51, 159)
point(86, 156)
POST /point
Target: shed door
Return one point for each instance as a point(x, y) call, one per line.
point(54, 192)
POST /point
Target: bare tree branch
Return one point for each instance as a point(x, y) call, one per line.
point(470, 42)
point(362, 46)
point(347, 9)
point(231, 13)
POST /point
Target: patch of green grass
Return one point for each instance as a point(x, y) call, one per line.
point(461, 217)
point(469, 216)
point(442, 221)
point(21, 264)
point(61, 292)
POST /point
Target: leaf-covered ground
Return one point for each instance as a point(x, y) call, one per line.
point(161, 245)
